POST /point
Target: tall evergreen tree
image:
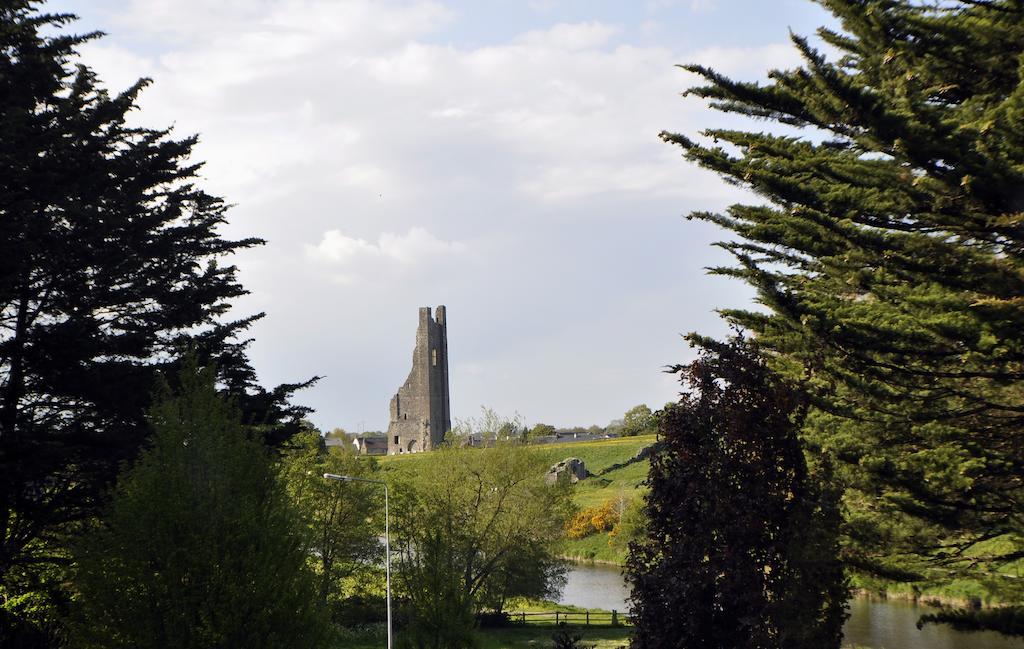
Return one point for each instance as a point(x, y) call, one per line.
point(888, 255)
point(740, 551)
point(110, 266)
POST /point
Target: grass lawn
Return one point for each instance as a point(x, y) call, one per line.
point(598, 454)
point(603, 638)
point(537, 637)
point(534, 634)
point(595, 547)
point(623, 484)
point(538, 633)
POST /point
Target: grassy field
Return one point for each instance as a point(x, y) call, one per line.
point(529, 637)
point(625, 484)
point(960, 591)
point(511, 638)
point(535, 635)
point(598, 455)
point(606, 638)
point(621, 485)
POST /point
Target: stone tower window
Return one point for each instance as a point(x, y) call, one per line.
point(433, 356)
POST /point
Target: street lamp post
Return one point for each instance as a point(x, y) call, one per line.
point(387, 536)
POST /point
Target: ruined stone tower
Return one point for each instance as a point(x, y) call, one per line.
point(420, 414)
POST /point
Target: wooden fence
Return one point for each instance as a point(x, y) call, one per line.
point(570, 618)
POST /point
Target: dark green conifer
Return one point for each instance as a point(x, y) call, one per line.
point(111, 265)
point(888, 256)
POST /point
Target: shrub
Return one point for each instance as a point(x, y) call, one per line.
point(562, 639)
point(737, 520)
point(592, 520)
point(200, 547)
point(493, 620)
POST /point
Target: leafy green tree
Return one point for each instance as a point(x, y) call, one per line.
point(638, 420)
point(201, 546)
point(111, 265)
point(490, 426)
point(741, 542)
point(632, 524)
point(343, 521)
point(541, 430)
point(887, 254)
point(615, 427)
point(339, 434)
point(472, 528)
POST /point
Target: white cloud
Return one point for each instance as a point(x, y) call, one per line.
point(417, 254)
point(413, 247)
point(748, 61)
point(360, 23)
point(569, 37)
point(520, 181)
point(413, 64)
point(694, 5)
point(542, 5)
point(703, 5)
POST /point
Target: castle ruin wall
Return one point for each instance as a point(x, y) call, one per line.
point(420, 414)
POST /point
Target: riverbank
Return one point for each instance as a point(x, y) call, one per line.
point(616, 476)
point(874, 622)
point(958, 594)
point(989, 591)
point(904, 593)
point(595, 548)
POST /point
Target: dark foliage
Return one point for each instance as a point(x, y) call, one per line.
point(359, 610)
point(18, 633)
point(494, 620)
point(741, 545)
point(1007, 620)
point(110, 267)
point(563, 639)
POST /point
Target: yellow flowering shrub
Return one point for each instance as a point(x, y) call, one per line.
point(592, 520)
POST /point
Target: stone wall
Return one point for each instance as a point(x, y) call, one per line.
point(420, 412)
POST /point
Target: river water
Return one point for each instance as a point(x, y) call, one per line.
point(879, 624)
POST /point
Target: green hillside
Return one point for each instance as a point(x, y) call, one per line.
point(620, 485)
point(598, 455)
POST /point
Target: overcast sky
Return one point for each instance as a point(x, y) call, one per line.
point(499, 157)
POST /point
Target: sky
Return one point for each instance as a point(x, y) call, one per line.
point(499, 157)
